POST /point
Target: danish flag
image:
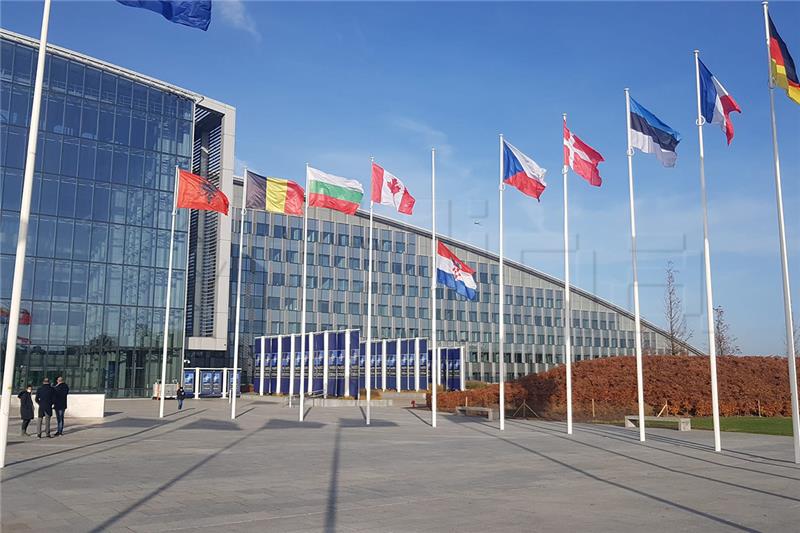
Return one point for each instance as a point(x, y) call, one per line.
point(582, 158)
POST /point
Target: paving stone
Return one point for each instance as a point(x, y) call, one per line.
point(198, 471)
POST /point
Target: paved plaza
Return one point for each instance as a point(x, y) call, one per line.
point(199, 471)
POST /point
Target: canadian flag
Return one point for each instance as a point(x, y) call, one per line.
point(582, 158)
point(388, 190)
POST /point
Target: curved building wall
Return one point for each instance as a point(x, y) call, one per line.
point(337, 297)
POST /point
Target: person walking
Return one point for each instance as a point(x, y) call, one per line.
point(44, 398)
point(181, 395)
point(25, 408)
point(60, 392)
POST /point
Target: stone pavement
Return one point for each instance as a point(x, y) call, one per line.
point(199, 471)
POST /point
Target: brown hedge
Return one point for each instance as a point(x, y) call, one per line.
point(682, 382)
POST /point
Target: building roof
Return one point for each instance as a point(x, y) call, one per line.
point(69, 54)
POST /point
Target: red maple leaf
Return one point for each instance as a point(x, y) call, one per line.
point(394, 186)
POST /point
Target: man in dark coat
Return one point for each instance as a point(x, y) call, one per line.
point(60, 392)
point(44, 397)
point(25, 408)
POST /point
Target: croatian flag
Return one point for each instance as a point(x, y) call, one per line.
point(652, 136)
point(454, 273)
point(715, 102)
point(522, 172)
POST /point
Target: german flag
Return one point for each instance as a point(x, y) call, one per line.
point(784, 72)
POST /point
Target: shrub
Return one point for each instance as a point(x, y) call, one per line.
point(682, 382)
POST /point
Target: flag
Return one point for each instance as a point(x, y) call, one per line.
point(24, 316)
point(784, 73)
point(333, 192)
point(388, 190)
point(652, 136)
point(454, 273)
point(716, 104)
point(196, 192)
point(522, 172)
point(194, 13)
point(582, 158)
point(274, 194)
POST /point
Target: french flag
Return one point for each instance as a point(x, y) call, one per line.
point(522, 172)
point(454, 273)
point(715, 103)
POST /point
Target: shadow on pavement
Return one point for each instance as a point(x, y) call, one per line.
point(333, 484)
point(116, 518)
point(207, 423)
point(291, 424)
point(616, 484)
point(361, 423)
point(623, 435)
point(84, 446)
point(557, 434)
point(412, 410)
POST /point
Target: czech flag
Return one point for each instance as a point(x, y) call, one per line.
point(196, 192)
point(716, 104)
point(784, 72)
point(522, 172)
point(454, 273)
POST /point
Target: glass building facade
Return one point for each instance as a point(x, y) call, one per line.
point(98, 240)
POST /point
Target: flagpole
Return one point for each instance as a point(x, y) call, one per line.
point(434, 344)
point(637, 320)
point(567, 315)
point(165, 343)
point(502, 327)
point(304, 293)
point(232, 392)
point(22, 240)
point(787, 293)
point(369, 298)
point(712, 347)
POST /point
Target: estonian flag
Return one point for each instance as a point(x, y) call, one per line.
point(652, 136)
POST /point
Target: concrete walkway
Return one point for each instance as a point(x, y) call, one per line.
point(199, 471)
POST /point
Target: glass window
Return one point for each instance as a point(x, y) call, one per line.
point(23, 64)
point(75, 79)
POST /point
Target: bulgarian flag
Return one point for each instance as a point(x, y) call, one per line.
point(274, 194)
point(333, 192)
point(388, 190)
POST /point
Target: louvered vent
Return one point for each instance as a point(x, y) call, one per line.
point(203, 229)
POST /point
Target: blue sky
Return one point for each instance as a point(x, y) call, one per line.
point(334, 83)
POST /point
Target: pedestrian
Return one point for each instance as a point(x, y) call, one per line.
point(60, 392)
point(44, 398)
point(25, 408)
point(181, 395)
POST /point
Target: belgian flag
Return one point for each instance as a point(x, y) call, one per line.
point(784, 72)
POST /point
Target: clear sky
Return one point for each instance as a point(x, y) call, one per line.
point(335, 83)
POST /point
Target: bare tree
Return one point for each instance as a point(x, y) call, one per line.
point(679, 334)
point(724, 340)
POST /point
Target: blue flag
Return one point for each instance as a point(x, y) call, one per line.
point(196, 14)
